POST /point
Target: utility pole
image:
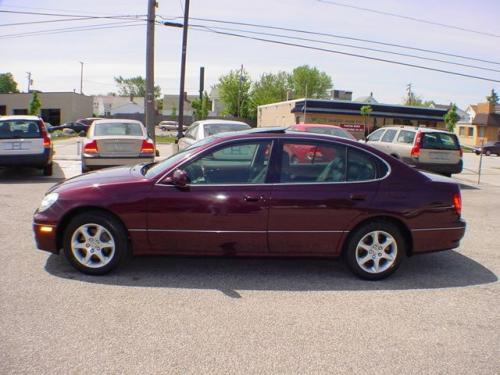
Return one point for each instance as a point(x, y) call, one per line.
point(149, 100)
point(239, 92)
point(183, 70)
point(202, 81)
point(81, 77)
point(30, 82)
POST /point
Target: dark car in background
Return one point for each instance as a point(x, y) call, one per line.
point(77, 127)
point(25, 142)
point(488, 149)
point(238, 194)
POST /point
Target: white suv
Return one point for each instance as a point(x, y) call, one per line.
point(24, 142)
point(433, 150)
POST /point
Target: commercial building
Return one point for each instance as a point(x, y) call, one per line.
point(347, 114)
point(482, 124)
point(57, 107)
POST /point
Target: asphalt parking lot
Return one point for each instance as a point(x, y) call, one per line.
point(439, 313)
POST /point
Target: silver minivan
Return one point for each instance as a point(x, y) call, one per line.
point(25, 142)
point(429, 149)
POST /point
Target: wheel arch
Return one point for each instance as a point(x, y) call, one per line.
point(68, 216)
point(405, 231)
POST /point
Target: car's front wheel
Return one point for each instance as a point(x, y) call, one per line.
point(95, 243)
point(375, 250)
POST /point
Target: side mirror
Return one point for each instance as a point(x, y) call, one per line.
point(179, 178)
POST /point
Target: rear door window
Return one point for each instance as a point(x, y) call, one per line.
point(389, 135)
point(406, 136)
point(440, 141)
point(18, 129)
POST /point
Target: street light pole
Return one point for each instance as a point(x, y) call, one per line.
point(81, 77)
point(149, 104)
point(183, 70)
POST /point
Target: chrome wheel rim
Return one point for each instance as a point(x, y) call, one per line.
point(376, 251)
point(92, 245)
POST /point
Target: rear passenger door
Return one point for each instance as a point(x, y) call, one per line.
point(314, 200)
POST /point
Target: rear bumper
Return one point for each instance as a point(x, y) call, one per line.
point(97, 161)
point(436, 167)
point(30, 160)
point(436, 239)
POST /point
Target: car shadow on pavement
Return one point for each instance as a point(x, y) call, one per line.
point(32, 175)
point(228, 275)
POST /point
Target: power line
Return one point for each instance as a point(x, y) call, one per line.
point(207, 29)
point(337, 36)
point(50, 21)
point(71, 15)
point(353, 46)
point(415, 19)
point(111, 25)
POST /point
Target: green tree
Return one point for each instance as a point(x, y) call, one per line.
point(135, 86)
point(173, 113)
point(493, 97)
point(306, 81)
point(35, 105)
point(201, 107)
point(271, 88)
point(234, 92)
point(7, 83)
point(366, 111)
point(451, 117)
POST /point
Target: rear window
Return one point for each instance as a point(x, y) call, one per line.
point(440, 141)
point(118, 129)
point(328, 131)
point(212, 129)
point(19, 129)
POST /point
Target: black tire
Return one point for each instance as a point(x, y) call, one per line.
point(85, 169)
point(487, 153)
point(48, 170)
point(355, 239)
point(115, 231)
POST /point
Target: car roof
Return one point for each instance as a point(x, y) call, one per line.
point(20, 117)
point(107, 121)
point(316, 126)
point(416, 128)
point(220, 121)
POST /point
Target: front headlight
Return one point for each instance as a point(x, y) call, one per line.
point(48, 201)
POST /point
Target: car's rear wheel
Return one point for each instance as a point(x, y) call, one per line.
point(487, 153)
point(95, 243)
point(375, 250)
point(48, 170)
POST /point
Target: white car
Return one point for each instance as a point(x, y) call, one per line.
point(206, 128)
point(116, 142)
point(25, 142)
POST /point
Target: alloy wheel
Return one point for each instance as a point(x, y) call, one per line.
point(92, 245)
point(376, 252)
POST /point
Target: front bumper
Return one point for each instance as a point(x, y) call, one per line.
point(45, 237)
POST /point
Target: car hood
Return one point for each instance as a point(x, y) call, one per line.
point(98, 178)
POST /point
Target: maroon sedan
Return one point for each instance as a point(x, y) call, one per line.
point(239, 194)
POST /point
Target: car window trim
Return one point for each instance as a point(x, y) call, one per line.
point(278, 140)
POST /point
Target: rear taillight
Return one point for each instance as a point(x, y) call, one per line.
point(457, 203)
point(415, 151)
point(90, 147)
point(461, 152)
point(46, 139)
point(147, 147)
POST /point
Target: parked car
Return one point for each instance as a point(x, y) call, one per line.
point(116, 142)
point(302, 153)
point(488, 149)
point(206, 128)
point(170, 125)
point(77, 127)
point(25, 142)
point(239, 195)
point(429, 149)
point(88, 120)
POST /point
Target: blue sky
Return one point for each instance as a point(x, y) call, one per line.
point(54, 59)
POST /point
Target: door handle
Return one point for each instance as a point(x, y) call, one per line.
point(252, 198)
point(357, 197)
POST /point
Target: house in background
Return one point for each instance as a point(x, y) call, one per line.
point(57, 107)
point(481, 125)
point(171, 105)
point(106, 105)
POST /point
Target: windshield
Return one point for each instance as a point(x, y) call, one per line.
point(211, 129)
point(118, 129)
point(11, 129)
